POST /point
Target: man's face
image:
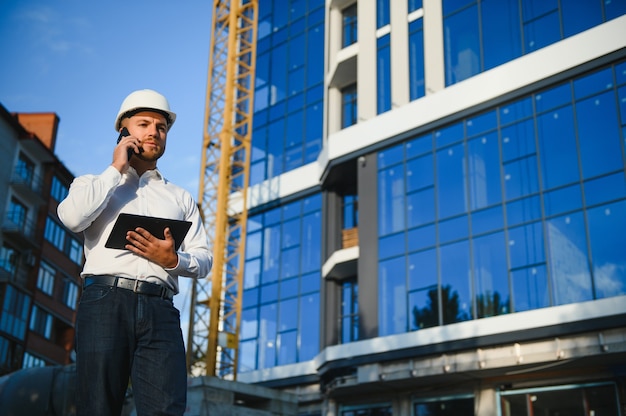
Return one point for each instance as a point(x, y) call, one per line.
point(150, 128)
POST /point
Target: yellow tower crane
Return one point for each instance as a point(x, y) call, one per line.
point(215, 313)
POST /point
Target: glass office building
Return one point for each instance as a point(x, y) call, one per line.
point(438, 207)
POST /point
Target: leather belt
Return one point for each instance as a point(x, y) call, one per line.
point(137, 286)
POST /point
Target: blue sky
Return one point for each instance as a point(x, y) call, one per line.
point(79, 59)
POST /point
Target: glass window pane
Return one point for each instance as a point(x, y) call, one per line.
point(557, 143)
point(424, 308)
point(349, 25)
point(462, 49)
point(383, 74)
point(607, 235)
point(502, 38)
point(288, 347)
point(455, 282)
point(349, 106)
point(290, 262)
point(490, 276)
point(590, 84)
point(453, 229)
point(518, 140)
point(422, 237)
point(288, 314)
point(288, 288)
point(315, 52)
point(422, 270)
point(520, 178)
point(421, 207)
point(451, 195)
point(523, 210)
point(420, 146)
point(530, 288)
point(382, 13)
point(252, 273)
point(271, 254)
point(516, 110)
point(563, 200)
point(484, 171)
point(419, 172)
point(580, 15)
point(481, 124)
point(249, 323)
point(599, 135)
point(532, 9)
point(247, 353)
point(278, 73)
point(291, 233)
point(309, 327)
point(391, 200)
point(552, 98)
point(269, 293)
point(605, 189)
point(311, 242)
point(310, 282)
point(390, 156)
point(526, 245)
point(391, 245)
point(414, 5)
point(417, 87)
point(542, 32)
point(450, 6)
point(568, 261)
point(490, 219)
point(449, 134)
point(392, 291)
point(267, 336)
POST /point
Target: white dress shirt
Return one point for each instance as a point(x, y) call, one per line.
point(93, 204)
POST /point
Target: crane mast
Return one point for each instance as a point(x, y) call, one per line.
point(215, 312)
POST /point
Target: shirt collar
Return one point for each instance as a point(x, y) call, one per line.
point(153, 174)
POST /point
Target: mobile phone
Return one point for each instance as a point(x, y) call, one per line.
point(125, 133)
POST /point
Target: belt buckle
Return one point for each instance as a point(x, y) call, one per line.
point(136, 286)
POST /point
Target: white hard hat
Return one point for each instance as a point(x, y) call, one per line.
point(144, 100)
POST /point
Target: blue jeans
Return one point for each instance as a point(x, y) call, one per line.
point(121, 335)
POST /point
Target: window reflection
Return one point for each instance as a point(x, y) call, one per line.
point(607, 234)
point(510, 213)
point(482, 35)
point(569, 264)
point(281, 285)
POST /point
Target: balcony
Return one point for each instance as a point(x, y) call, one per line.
point(16, 275)
point(21, 233)
point(343, 263)
point(28, 185)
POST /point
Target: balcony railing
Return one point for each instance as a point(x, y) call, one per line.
point(23, 229)
point(26, 179)
point(350, 237)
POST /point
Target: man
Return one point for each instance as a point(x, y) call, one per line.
point(127, 325)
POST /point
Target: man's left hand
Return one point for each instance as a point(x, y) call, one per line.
point(157, 250)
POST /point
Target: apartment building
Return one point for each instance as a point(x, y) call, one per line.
point(437, 222)
point(40, 260)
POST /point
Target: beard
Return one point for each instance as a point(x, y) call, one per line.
point(150, 156)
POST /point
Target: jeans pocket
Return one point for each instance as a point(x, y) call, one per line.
point(94, 293)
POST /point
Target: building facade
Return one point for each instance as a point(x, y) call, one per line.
point(40, 260)
point(437, 222)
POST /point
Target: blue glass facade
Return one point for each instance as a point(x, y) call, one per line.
point(288, 87)
point(484, 200)
point(517, 208)
point(482, 34)
point(282, 285)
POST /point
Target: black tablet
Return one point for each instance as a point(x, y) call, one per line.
point(155, 226)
